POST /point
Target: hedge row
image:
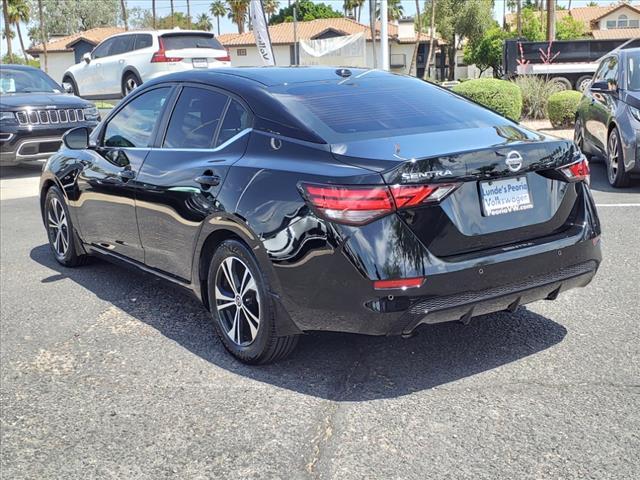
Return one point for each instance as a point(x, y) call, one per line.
point(562, 107)
point(500, 95)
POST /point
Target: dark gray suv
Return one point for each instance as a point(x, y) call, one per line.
point(608, 117)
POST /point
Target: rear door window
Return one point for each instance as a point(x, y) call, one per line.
point(235, 120)
point(102, 50)
point(133, 126)
point(143, 41)
point(177, 42)
point(195, 118)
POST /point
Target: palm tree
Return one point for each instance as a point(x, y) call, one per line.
point(153, 13)
point(19, 12)
point(7, 27)
point(43, 36)
point(358, 4)
point(204, 23)
point(238, 12)
point(270, 7)
point(218, 9)
point(395, 10)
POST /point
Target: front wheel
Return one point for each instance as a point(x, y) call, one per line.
point(242, 308)
point(578, 137)
point(615, 161)
point(62, 239)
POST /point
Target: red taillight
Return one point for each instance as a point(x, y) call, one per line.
point(357, 205)
point(161, 57)
point(226, 58)
point(402, 283)
point(577, 172)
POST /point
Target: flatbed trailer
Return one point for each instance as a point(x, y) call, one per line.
point(572, 62)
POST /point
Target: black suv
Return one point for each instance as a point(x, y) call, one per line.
point(35, 113)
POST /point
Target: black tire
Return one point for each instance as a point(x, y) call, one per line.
point(130, 81)
point(73, 84)
point(582, 82)
point(563, 82)
point(578, 137)
point(616, 174)
point(257, 345)
point(60, 231)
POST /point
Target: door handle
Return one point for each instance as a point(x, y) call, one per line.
point(126, 174)
point(208, 180)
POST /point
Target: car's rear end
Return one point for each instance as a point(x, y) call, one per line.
point(471, 214)
point(181, 50)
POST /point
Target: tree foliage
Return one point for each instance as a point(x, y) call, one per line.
point(307, 10)
point(486, 52)
point(64, 17)
point(569, 28)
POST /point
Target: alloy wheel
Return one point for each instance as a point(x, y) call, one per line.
point(613, 157)
point(237, 301)
point(58, 227)
point(130, 85)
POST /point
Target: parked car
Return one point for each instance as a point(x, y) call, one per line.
point(291, 200)
point(608, 117)
point(125, 61)
point(35, 113)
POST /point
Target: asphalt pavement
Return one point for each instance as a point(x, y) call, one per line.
point(110, 373)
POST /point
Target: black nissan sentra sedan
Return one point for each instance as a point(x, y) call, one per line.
point(299, 199)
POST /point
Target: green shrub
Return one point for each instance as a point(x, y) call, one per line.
point(562, 108)
point(535, 95)
point(502, 96)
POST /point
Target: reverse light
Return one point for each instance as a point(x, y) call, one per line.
point(577, 171)
point(161, 57)
point(357, 205)
point(402, 283)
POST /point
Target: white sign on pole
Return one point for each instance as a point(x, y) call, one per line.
point(261, 32)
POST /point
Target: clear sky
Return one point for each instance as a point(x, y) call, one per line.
point(163, 7)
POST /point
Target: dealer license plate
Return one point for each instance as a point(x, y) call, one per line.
point(505, 196)
point(200, 63)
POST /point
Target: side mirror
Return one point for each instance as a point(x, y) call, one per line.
point(87, 57)
point(76, 138)
point(67, 87)
point(603, 87)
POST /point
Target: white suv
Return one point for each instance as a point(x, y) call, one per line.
point(123, 61)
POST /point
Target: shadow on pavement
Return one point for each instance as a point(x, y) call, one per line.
point(21, 171)
point(334, 366)
point(600, 183)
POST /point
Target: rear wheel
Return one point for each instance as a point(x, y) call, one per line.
point(615, 161)
point(242, 309)
point(562, 83)
point(583, 83)
point(62, 239)
point(130, 82)
point(72, 82)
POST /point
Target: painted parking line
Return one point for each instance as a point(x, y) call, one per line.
point(617, 205)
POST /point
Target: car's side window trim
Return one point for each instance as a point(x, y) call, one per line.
point(164, 125)
point(152, 137)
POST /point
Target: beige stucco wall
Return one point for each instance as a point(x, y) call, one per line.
point(58, 63)
point(630, 14)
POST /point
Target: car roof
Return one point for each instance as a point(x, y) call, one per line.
point(161, 32)
point(16, 66)
point(273, 76)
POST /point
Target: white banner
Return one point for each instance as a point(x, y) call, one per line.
point(261, 32)
point(345, 51)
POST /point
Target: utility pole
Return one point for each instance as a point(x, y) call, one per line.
point(384, 34)
point(551, 20)
point(372, 26)
point(43, 36)
point(124, 14)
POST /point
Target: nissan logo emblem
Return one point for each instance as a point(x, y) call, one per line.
point(514, 161)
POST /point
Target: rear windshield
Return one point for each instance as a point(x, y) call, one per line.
point(380, 106)
point(177, 42)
